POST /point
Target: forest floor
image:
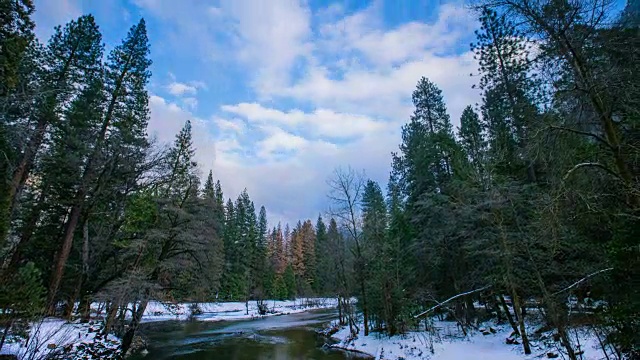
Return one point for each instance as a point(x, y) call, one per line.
point(50, 335)
point(446, 342)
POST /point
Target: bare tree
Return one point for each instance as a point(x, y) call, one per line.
point(345, 191)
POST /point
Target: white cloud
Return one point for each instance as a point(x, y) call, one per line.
point(235, 126)
point(362, 32)
point(168, 118)
point(279, 140)
point(52, 13)
point(321, 122)
point(377, 68)
point(270, 36)
point(179, 89)
point(355, 74)
point(190, 102)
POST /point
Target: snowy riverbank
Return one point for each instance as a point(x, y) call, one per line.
point(53, 335)
point(157, 311)
point(448, 343)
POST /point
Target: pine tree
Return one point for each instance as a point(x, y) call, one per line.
point(208, 192)
point(219, 199)
point(261, 273)
point(126, 75)
point(289, 279)
point(508, 110)
point(280, 253)
point(296, 255)
point(376, 249)
point(308, 234)
point(72, 56)
point(400, 235)
point(16, 35)
point(473, 144)
point(17, 40)
point(428, 146)
point(324, 265)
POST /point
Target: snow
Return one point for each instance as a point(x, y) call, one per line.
point(52, 334)
point(445, 343)
point(157, 311)
point(64, 334)
point(448, 343)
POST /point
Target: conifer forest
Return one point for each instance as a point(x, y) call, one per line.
point(533, 200)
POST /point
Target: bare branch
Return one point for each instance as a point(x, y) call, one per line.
point(345, 191)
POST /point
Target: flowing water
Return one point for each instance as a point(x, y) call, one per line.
point(285, 337)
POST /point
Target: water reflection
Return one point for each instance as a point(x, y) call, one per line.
point(274, 338)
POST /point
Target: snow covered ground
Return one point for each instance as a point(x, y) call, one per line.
point(448, 343)
point(51, 334)
point(157, 311)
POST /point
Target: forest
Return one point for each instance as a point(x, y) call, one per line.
point(533, 200)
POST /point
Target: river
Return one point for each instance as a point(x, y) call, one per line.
point(285, 337)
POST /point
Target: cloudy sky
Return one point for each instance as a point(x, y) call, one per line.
point(280, 92)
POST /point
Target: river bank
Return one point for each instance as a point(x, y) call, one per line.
point(52, 335)
point(446, 342)
point(286, 337)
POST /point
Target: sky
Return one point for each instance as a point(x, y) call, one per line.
point(281, 92)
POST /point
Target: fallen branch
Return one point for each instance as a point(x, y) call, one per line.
point(590, 164)
point(449, 299)
point(581, 281)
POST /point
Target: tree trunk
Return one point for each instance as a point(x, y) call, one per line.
point(112, 310)
point(5, 333)
point(523, 331)
point(72, 223)
point(27, 232)
point(85, 266)
point(127, 339)
point(84, 308)
point(365, 312)
point(67, 241)
point(470, 310)
point(340, 311)
point(71, 302)
point(496, 306)
point(564, 339)
point(513, 324)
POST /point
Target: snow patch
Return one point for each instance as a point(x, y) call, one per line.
point(447, 343)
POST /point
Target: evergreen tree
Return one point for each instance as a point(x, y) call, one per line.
point(126, 114)
point(289, 279)
point(324, 266)
point(16, 35)
point(72, 57)
point(473, 144)
point(17, 41)
point(508, 109)
point(308, 235)
point(208, 192)
point(379, 282)
point(428, 146)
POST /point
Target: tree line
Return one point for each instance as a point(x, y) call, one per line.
point(535, 196)
point(93, 210)
point(532, 200)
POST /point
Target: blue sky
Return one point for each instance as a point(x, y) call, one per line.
point(280, 92)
